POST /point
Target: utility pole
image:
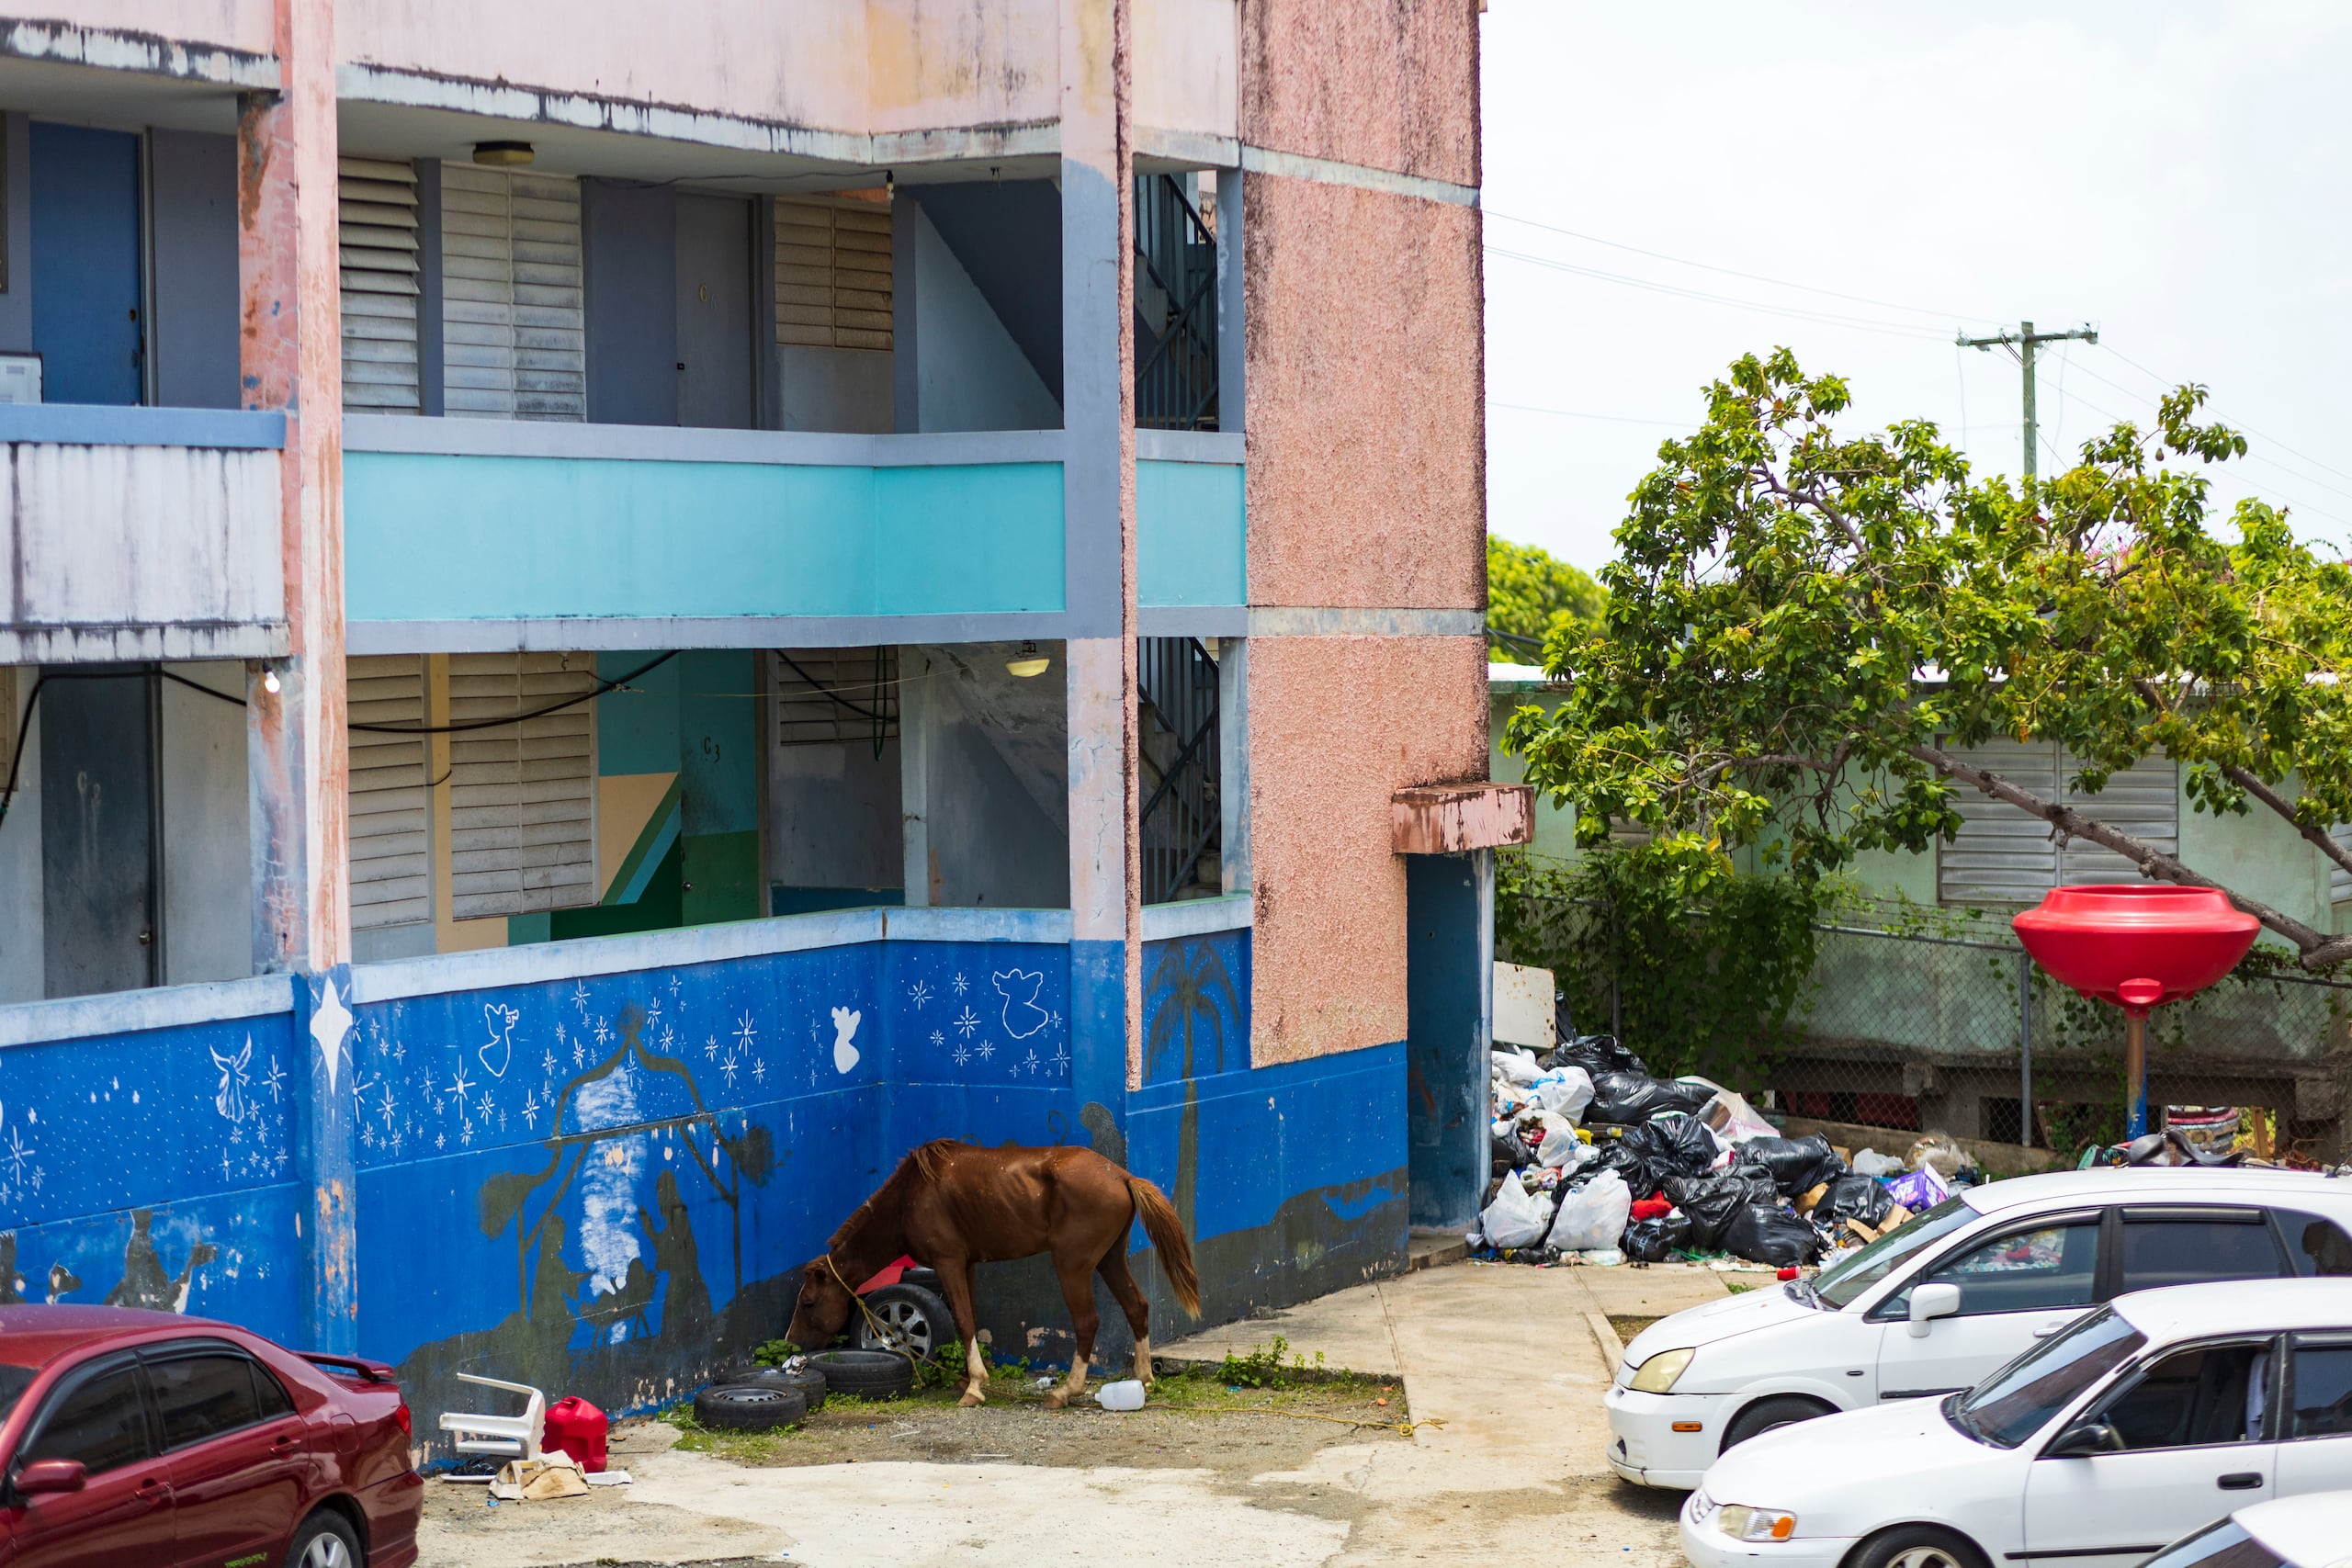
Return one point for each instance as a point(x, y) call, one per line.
point(2023, 342)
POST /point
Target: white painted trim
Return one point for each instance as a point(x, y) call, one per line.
point(1184, 149)
point(1188, 446)
point(583, 634)
point(1196, 916)
point(134, 1012)
point(1330, 172)
point(112, 48)
point(588, 957)
point(1269, 620)
point(667, 444)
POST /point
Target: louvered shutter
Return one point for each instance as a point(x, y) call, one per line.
point(521, 795)
point(376, 208)
point(2004, 856)
point(514, 338)
point(829, 696)
point(392, 844)
point(2339, 881)
point(833, 274)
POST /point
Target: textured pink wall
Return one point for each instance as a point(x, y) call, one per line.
point(1336, 724)
point(1366, 451)
point(1391, 84)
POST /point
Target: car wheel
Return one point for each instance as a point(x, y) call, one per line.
point(865, 1374)
point(807, 1382)
point(919, 1316)
point(326, 1540)
point(1917, 1546)
point(749, 1409)
point(1766, 1415)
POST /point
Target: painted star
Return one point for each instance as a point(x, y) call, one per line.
point(744, 1033)
point(399, 1050)
point(986, 1050)
point(276, 1080)
point(710, 1048)
point(580, 999)
point(919, 993)
point(461, 1088)
point(388, 1110)
point(939, 1039)
point(531, 1113)
point(959, 984)
point(967, 1023)
point(1032, 1064)
point(466, 1134)
point(727, 1068)
point(962, 1055)
point(546, 1059)
point(759, 1071)
point(329, 1024)
point(604, 1032)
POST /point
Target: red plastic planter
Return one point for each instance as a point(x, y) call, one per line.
point(2138, 945)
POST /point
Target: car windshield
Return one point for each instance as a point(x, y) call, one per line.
point(1839, 1284)
point(2221, 1544)
point(2018, 1401)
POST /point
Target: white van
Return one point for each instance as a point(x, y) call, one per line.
point(1933, 1307)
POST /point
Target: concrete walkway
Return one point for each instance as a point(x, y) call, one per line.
point(1503, 1363)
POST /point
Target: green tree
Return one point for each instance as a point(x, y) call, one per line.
point(1531, 595)
point(1806, 631)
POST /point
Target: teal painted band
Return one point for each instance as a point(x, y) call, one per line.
point(1191, 539)
point(554, 537)
point(672, 814)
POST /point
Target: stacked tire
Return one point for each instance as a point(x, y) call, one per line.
point(864, 1374)
point(749, 1409)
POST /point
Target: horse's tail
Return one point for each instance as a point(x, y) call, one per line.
point(1159, 1222)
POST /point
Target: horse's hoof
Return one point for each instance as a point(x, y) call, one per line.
point(1057, 1399)
point(972, 1397)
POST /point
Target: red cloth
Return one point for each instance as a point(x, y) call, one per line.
point(1652, 1209)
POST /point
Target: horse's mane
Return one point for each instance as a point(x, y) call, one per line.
point(920, 1163)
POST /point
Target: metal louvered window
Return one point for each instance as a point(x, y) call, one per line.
point(2339, 881)
point(521, 795)
point(833, 274)
point(512, 335)
point(391, 838)
point(828, 696)
point(375, 207)
point(2004, 856)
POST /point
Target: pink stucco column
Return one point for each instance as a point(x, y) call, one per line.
point(290, 353)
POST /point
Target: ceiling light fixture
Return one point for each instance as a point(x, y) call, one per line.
point(1028, 662)
point(503, 154)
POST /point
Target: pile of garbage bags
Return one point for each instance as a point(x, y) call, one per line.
point(1595, 1159)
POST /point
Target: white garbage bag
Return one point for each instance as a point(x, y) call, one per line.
point(1564, 1091)
point(1517, 1066)
point(1517, 1217)
point(1870, 1162)
point(1594, 1218)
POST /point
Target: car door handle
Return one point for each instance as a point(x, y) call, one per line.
point(2240, 1481)
point(2047, 1329)
point(153, 1490)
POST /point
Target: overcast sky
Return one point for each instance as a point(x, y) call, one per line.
point(2173, 174)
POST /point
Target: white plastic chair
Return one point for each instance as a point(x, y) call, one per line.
point(513, 1436)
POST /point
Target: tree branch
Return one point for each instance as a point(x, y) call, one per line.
point(2317, 948)
point(2318, 838)
point(1709, 772)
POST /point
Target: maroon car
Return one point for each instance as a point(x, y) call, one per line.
point(142, 1438)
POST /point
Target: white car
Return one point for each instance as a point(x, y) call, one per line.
point(2309, 1531)
point(1931, 1308)
point(2142, 1421)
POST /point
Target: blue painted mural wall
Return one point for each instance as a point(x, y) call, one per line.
point(605, 1183)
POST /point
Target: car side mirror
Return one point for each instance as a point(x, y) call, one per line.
point(51, 1475)
point(1929, 1302)
point(2084, 1438)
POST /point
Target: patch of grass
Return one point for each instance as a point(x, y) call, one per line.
point(1628, 1324)
point(1263, 1366)
point(748, 1447)
point(1735, 1287)
point(774, 1353)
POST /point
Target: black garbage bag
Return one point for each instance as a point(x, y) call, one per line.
point(1711, 1201)
point(1509, 1151)
point(1770, 1234)
point(1653, 1241)
point(1673, 1145)
point(1596, 1054)
point(1798, 1165)
point(1611, 1153)
point(1627, 1097)
point(1853, 1197)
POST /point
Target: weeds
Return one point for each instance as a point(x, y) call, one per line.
point(1263, 1368)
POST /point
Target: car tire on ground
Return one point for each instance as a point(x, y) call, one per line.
point(1767, 1414)
point(864, 1374)
point(920, 1315)
point(326, 1540)
point(808, 1383)
point(1917, 1546)
point(749, 1409)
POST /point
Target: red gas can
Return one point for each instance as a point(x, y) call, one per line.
point(576, 1427)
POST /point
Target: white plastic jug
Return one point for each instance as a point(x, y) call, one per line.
point(1124, 1395)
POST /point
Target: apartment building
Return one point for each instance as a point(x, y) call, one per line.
point(779, 580)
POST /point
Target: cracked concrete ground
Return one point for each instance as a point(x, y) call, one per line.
point(1504, 1366)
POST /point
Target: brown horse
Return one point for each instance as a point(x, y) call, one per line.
point(955, 1206)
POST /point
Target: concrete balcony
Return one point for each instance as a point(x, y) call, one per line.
point(140, 533)
point(478, 534)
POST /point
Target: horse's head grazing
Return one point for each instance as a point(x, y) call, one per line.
point(822, 1307)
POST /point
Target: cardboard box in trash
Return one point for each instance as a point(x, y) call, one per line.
point(540, 1480)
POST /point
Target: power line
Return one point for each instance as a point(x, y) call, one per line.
point(1605, 418)
point(1819, 318)
point(1735, 272)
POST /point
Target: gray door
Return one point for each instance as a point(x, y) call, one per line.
point(97, 833)
point(714, 312)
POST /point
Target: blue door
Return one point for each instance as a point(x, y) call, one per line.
point(87, 323)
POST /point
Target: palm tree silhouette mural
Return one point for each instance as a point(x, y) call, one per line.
point(529, 1200)
point(1186, 987)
